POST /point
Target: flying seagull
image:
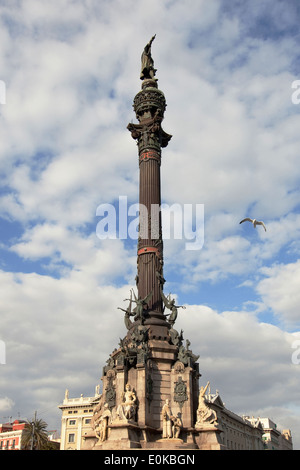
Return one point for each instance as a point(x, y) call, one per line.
point(254, 222)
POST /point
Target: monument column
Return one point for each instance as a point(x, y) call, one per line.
point(151, 370)
point(149, 106)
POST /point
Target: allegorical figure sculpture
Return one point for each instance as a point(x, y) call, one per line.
point(128, 313)
point(205, 415)
point(127, 409)
point(141, 306)
point(171, 424)
point(139, 311)
point(147, 68)
point(167, 420)
point(101, 417)
point(177, 425)
point(170, 304)
point(102, 424)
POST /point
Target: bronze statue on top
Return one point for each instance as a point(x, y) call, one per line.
point(147, 69)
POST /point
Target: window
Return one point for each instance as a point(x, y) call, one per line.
point(72, 422)
point(13, 444)
point(71, 438)
point(87, 420)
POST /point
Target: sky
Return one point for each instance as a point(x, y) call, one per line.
point(71, 70)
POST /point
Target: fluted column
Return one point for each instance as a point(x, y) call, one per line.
point(149, 105)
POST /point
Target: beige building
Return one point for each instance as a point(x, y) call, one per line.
point(238, 433)
point(77, 414)
point(286, 442)
point(273, 438)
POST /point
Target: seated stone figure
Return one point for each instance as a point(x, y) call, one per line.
point(127, 409)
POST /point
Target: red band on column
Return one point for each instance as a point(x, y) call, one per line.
point(147, 249)
point(149, 155)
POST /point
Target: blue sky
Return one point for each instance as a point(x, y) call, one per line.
point(71, 73)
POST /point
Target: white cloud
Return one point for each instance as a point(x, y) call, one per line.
point(5, 404)
point(70, 253)
point(280, 291)
point(63, 326)
point(242, 357)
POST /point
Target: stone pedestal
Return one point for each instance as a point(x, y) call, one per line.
point(121, 436)
point(166, 444)
point(207, 437)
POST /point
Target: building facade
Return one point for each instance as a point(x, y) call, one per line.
point(77, 414)
point(237, 432)
point(273, 438)
point(11, 435)
point(286, 441)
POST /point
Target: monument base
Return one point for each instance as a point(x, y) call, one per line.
point(164, 444)
point(208, 437)
point(128, 435)
point(169, 444)
point(122, 435)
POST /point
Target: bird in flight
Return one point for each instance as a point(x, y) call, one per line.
point(254, 222)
